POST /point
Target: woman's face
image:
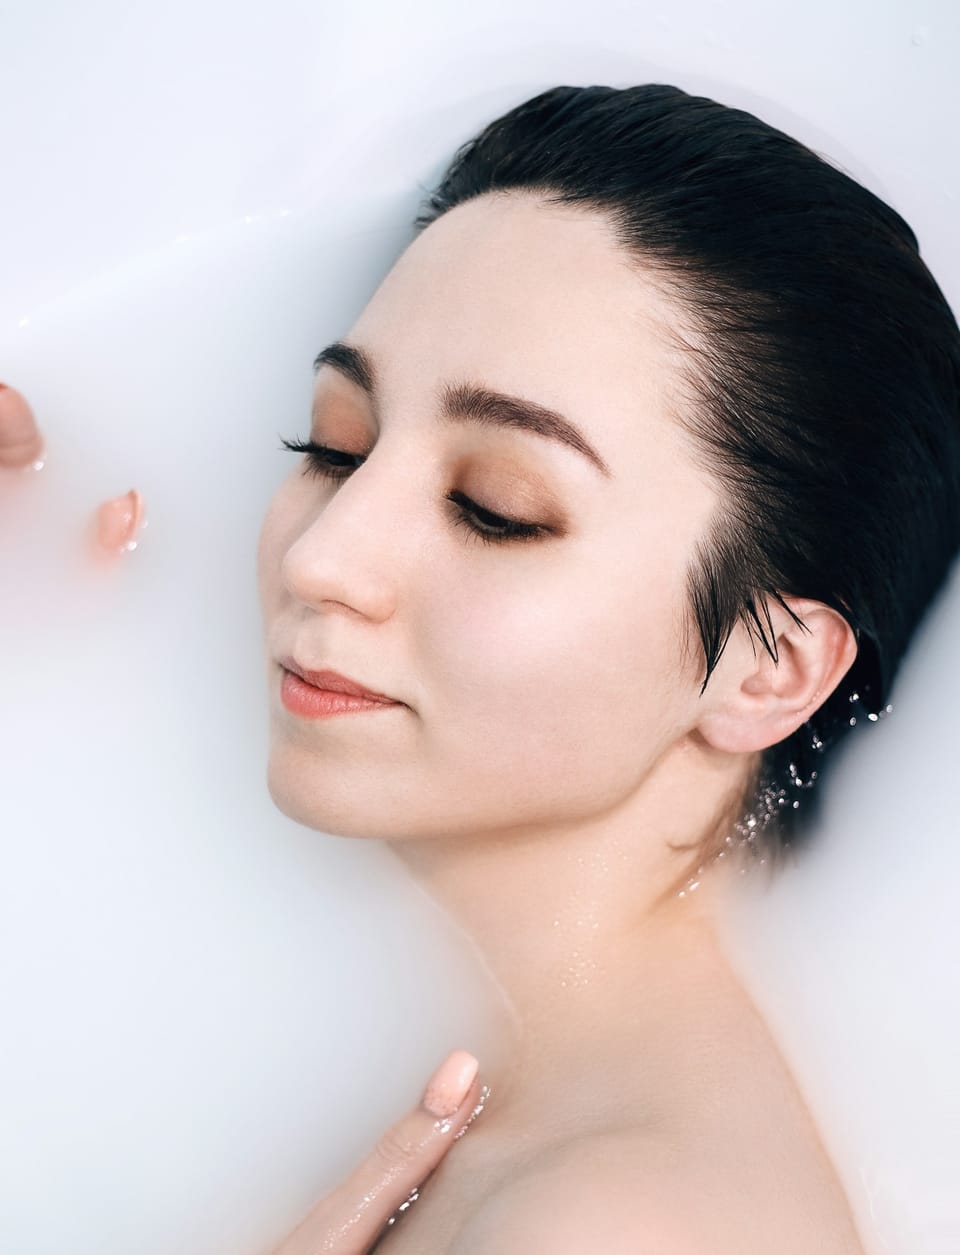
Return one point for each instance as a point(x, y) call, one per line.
point(540, 678)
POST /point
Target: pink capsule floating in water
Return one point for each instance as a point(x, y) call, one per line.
point(118, 522)
point(21, 444)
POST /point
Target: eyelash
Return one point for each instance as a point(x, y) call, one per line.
point(506, 530)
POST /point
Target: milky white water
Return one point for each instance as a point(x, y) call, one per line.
point(210, 1012)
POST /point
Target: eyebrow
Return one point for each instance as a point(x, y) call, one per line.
point(467, 402)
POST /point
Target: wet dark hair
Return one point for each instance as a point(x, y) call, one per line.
point(822, 382)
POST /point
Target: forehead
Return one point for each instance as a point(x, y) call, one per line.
point(532, 299)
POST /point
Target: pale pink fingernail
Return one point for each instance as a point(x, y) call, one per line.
point(118, 521)
point(448, 1086)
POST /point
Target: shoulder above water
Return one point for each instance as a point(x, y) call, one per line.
point(614, 1193)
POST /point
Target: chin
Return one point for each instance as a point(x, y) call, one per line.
point(328, 807)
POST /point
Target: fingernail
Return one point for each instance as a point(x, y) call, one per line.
point(118, 521)
point(448, 1086)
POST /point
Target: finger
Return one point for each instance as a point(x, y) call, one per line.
point(20, 439)
point(349, 1219)
point(117, 522)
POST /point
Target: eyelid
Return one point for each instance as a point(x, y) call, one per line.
point(507, 529)
point(529, 482)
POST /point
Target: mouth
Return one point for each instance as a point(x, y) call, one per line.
point(332, 682)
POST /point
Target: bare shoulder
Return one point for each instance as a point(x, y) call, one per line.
point(588, 1199)
point(626, 1194)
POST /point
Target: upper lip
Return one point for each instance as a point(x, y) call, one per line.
point(333, 681)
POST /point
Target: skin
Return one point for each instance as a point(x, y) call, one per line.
point(552, 739)
point(21, 443)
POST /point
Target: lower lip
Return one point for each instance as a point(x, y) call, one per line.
point(301, 698)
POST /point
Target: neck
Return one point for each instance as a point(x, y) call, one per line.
point(582, 927)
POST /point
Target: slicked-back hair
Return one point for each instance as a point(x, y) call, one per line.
point(821, 384)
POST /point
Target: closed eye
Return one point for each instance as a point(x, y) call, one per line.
point(483, 524)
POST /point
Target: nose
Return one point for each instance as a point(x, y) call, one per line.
point(351, 550)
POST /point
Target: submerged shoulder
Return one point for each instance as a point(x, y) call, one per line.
point(624, 1195)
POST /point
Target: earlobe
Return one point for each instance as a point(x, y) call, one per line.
point(761, 702)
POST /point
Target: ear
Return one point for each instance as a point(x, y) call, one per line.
point(759, 702)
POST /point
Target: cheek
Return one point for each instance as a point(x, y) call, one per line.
point(562, 676)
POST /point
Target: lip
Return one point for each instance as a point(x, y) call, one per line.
point(333, 682)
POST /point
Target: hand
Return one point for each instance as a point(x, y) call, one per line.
point(21, 443)
point(352, 1219)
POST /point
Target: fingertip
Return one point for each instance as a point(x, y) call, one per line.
point(480, 1104)
point(21, 444)
point(118, 521)
point(451, 1083)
